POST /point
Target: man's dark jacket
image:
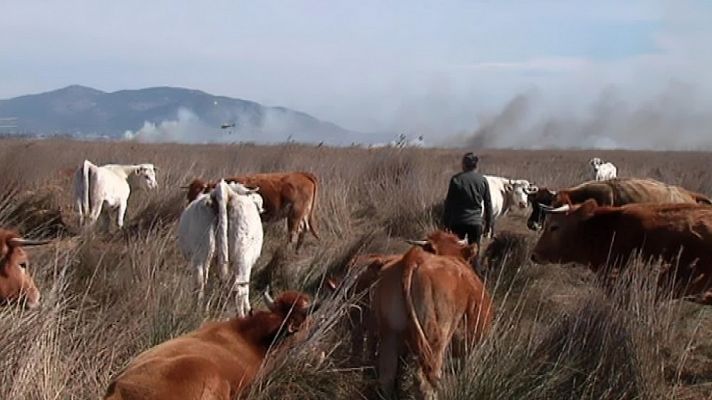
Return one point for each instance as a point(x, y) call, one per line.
point(467, 193)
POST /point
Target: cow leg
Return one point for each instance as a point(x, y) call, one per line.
point(371, 337)
point(242, 298)
point(357, 331)
point(292, 227)
point(200, 275)
point(388, 354)
point(80, 211)
point(121, 214)
point(430, 372)
point(298, 220)
point(95, 213)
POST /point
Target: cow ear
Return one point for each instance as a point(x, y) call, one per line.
point(470, 252)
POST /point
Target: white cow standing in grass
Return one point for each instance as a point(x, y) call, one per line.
point(227, 218)
point(108, 186)
point(508, 193)
point(603, 171)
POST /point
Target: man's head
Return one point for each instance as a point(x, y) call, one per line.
point(469, 162)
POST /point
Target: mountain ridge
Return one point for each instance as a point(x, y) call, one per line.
point(83, 111)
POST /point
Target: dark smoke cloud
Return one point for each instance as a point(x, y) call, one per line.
point(674, 120)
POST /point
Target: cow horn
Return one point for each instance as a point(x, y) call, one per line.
point(545, 207)
point(420, 243)
point(559, 210)
point(268, 298)
point(19, 242)
point(185, 187)
point(463, 242)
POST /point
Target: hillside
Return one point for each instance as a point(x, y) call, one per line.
point(161, 114)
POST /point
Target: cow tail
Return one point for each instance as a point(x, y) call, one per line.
point(312, 206)
point(85, 190)
point(417, 336)
point(221, 197)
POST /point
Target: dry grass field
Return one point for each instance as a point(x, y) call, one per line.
point(108, 297)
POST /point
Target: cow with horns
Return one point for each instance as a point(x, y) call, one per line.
point(16, 283)
point(604, 237)
point(614, 192)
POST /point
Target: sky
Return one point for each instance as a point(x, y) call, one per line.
point(450, 70)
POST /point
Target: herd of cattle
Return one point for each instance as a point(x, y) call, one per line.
point(425, 301)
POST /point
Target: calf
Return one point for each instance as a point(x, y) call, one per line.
point(16, 283)
point(96, 187)
point(217, 361)
point(602, 170)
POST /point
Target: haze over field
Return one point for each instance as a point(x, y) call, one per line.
point(495, 74)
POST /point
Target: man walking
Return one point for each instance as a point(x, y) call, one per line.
point(467, 193)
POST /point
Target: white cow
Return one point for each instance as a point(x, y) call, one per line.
point(109, 186)
point(602, 170)
point(196, 238)
point(229, 218)
point(508, 193)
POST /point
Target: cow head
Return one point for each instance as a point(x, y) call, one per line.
point(145, 175)
point(15, 281)
point(595, 162)
point(539, 198)
point(447, 244)
point(518, 192)
point(291, 307)
point(196, 187)
point(557, 243)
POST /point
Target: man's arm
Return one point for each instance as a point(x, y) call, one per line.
point(489, 220)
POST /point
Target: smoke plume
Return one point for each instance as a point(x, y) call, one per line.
point(672, 120)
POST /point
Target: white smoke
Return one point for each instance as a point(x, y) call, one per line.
point(271, 125)
point(187, 128)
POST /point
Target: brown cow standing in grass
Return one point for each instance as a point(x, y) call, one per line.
point(614, 192)
point(217, 361)
point(16, 283)
point(286, 194)
point(366, 268)
point(603, 236)
point(425, 301)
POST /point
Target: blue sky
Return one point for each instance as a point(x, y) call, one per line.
point(433, 67)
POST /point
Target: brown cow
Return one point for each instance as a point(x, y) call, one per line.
point(613, 192)
point(16, 283)
point(217, 361)
point(366, 269)
point(426, 301)
point(286, 194)
point(596, 236)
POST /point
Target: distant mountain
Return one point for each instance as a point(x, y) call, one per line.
point(163, 114)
